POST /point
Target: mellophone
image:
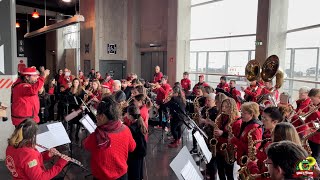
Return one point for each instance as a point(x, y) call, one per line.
point(63, 156)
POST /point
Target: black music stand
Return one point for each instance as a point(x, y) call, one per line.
point(161, 138)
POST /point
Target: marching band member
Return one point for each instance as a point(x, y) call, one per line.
point(186, 83)
point(138, 90)
point(118, 94)
point(52, 90)
point(162, 92)
point(126, 88)
point(138, 131)
point(177, 105)
point(24, 161)
point(100, 78)
point(157, 75)
point(229, 118)
point(65, 78)
point(314, 141)
point(95, 93)
point(45, 103)
point(25, 100)
point(86, 84)
point(223, 84)
point(270, 117)
point(236, 95)
point(110, 144)
point(200, 84)
point(252, 92)
point(108, 81)
point(207, 90)
point(105, 90)
point(282, 159)
point(269, 89)
point(81, 77)
point(92, 75)
point(250, 124)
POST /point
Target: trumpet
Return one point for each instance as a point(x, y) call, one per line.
point(125, 104)
point(63, 156)
point(168, 98)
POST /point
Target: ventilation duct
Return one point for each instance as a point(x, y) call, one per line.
point(75, 19)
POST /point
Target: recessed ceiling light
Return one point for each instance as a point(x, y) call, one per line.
point(66, 1)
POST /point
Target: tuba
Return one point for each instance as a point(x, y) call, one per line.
point(252, 71)
point(270, 69)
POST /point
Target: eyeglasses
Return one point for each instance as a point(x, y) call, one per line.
point(267, 164)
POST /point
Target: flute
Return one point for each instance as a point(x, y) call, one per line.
point(63, 156)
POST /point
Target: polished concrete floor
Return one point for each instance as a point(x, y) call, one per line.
point(157, 161)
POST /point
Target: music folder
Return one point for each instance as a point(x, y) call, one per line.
point(87, 122)
point(185, 167)
point(203, 146)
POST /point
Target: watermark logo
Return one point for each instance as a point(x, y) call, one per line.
point(305, 168)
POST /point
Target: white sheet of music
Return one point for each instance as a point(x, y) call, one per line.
point(87, 122)
point(59, 132)
point(46, 139)
point(203, 146)
point(189, 173)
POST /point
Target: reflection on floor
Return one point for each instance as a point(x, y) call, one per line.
point(156, 165)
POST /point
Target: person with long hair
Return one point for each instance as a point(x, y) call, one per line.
point(250, 125)
point(95, 93)
point(110, 143)
point(228, 123)
point(138, 131)
point(24, 161)
point(177, 106)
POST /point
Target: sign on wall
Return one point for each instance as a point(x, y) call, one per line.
point(22, 63)
point(112, 49)
point(20, 48)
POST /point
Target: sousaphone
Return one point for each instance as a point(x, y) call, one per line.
point(252, 70)
point(270, 69)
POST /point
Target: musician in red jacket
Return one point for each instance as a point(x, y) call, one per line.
point(269, 89)
point(186, 83)
point(236, 95)
point(200, 84)
point(251, 125)
point(157, 76)
point(110, 144)
point(65, 78)
point(314, 141)
point(25, 100)
point(24, 161)
point(223, 84)
point(252, 92)
point(108, 81)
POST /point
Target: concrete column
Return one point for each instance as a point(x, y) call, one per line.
point(172, 40)
point(271, 29)
point(8, 67)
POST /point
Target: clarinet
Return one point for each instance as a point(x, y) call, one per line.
point(63, 156)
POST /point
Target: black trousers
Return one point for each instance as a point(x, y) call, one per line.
point(224, 169)
point(212, 168)
point(135, 168)
point(163, 111)
point(176, 125)
point(315, 148)
point(194, 141)
point(124, 177)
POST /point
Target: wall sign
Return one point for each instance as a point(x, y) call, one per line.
point(112, 49)
point(20, 48)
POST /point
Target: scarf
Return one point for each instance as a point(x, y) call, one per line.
point(102, 132)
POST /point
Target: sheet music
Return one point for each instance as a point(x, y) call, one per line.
point(189, 173)
point(87, 122)
point(203, 146)
point(59, 132)
point(46, 139)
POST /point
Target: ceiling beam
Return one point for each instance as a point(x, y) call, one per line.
point(28, 10)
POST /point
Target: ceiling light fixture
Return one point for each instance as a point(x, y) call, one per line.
point(17, 25)
point(67, 1)
point(35, 14)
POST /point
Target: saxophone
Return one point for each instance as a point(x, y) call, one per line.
point(244, 173)
point(214, 141)
point(196, 115)
point(305, 143)
point(228, 149)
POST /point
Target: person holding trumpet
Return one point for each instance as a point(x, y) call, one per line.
point(26, 162)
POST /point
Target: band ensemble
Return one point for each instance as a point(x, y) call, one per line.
point(240, 130)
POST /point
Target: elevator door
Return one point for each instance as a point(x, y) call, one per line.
point(116, 68)
point(148, 62)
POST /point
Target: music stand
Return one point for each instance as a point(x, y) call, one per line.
point(161, 139)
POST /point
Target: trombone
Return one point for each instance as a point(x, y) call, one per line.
point(315, 125)
point(303, 117)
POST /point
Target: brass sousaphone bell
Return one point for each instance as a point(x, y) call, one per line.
point(252, 70)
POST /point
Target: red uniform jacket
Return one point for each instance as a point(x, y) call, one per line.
point(65, 80)
point(235, 129)
point(259, 166)
point(144, 111)
point(204, 84)
point(157, 77)
point(186, 84)
point(25, 101)
point(224, 86)
point(162, 93)
point(109, 83)
point(303, 107)
point(27, 163)
point(242, 141)
point(314, 116)
point(251, 93)
point(110, 163)
point(235, 94)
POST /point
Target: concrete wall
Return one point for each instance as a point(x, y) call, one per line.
point(51, 49)
point(172, 40)
point(88, 32)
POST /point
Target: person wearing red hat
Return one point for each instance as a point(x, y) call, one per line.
point(201, 83)
point(25, 100)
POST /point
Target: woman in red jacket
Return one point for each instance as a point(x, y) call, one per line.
point(250, 123)
point(282, 131)
point(229, 118)
point(24, 161)
point(270, 117)
point(110, 144)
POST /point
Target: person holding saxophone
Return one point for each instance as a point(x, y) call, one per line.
point(24, 161)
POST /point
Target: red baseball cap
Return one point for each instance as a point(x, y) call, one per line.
point(105, 86)
point(29, 71)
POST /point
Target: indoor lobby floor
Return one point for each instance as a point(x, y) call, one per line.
point(157, 161)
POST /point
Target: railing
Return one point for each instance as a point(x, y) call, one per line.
point(214, 78)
